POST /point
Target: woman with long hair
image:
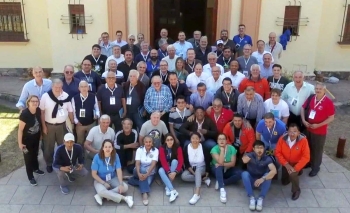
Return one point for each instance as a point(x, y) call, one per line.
point(29, 133)
point(180, 69)
point(195, 167)
point(171, 161)
point(222, 165)
point(108, 177)
point(146, 159)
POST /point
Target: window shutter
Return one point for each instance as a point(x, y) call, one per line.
point(291, 19)
point(346, 33)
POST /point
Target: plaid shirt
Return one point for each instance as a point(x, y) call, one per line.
point(158, 100)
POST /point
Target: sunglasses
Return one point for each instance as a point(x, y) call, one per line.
point(69, 72)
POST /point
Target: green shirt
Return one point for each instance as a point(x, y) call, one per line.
point(181, 75)
point(231, 151)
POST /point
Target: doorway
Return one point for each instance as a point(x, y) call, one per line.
point(183, 15)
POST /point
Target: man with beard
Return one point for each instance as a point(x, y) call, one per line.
point(226, 58)
point(127, 65)
point(226, 41)
point(202, 51)
point(196, 37)
point(153, 64)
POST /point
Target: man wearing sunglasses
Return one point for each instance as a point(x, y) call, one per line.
point(131, 45)
point(70, 83)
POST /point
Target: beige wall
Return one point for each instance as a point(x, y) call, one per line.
point(36, 52)
point(132, 17)
point(235, 17)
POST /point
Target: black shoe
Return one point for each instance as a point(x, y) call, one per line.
point(70, 178)
point(313, 173)
point(49, 169)
point(300, 172)
point(33, 182)
point(308, 165)
point(296, 195)
point(39, 172)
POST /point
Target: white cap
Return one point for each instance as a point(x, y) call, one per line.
point(219, 42)
point(69, 137)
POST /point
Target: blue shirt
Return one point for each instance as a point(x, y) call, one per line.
point(61, 157)
point(92, 78)
point(205, 102)
point(271, 136)
point(246, 40)
point(139, 57)
point(257, 168)
point(152, 68)
point(162, 54)
point(71, 89)
point(181, 49)
point(102, 169)
point(158, 100)
point(31, 88)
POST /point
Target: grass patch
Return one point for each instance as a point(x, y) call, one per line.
point(11, 156)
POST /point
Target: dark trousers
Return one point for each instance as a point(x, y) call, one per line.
point(165, 119)
point(116, 121)
point(316, 144)
point(31, 158)
point(293, 178)
point(136, 119)
point(297, 120)
point(125, 156)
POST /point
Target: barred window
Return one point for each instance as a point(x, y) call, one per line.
point(291, 19)
point(11, 22)
point(77, 18)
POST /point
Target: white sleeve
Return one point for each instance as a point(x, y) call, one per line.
point(138, 154)
point(285, 110)
point(136, 135)
point(74, 112)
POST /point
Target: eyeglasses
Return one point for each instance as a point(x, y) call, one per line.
point(130, 39)
point(163, 65)
point(69, 72)
point(140, 38)
point(34, 101)
point(227, 84)
point(105, 37)
point(156, 83)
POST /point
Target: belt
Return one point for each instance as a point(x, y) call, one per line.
point(56, 124)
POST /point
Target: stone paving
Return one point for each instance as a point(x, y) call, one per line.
point(329, 192)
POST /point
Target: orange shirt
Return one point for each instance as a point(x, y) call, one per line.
point(298, 154)
point(261, 87)
point(247, 137)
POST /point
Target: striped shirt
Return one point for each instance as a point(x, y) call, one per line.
point(177, 118)
point(253, 110)
point(158, 100)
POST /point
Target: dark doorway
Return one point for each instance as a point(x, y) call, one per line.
point(183, 15)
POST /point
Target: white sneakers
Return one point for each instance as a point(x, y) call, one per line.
point(129, 201)
point(223, 195)
point(167, 191)
point(259, 204)
point(207, 181)
point(173, 195)
point(252, 203)
point(194, 199)
point(256, 204)
point(98, 199)
point(216, 185)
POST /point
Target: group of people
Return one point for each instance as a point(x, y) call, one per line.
point(183, 109)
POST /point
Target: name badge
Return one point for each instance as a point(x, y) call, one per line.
point(82, 113)
point(112, 100)
point(245, 72)
point(294, 102)
point(90, 87)
point(108, 177)
point(312, 114)
point(97, 67)
point(60, 112)
point(128, 100)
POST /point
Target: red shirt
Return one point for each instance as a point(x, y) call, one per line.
point(225, 117)
point(324, 109)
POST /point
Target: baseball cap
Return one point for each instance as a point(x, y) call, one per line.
point(69, 137)
point(219, 42)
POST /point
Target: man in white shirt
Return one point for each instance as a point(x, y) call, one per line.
point(117, 56)
point(212, 58)
point(278, 107)
point(119, 40)
point(235, 76)
point(113, 66)
point(198, 76)
point(274, 47)
point(55, 108)
point(171, 58)
point(260, 52)
point(215, 81)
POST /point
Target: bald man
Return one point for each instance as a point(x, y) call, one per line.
point(274, 47)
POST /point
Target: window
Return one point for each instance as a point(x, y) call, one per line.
point(11, 22)
point(77, 18)
point(291, 19)
point(346, 32)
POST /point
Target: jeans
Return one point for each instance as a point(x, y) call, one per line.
point(144, 185)
point(232, 175)
point(136, 119)
point(248, 182)
point(164, 176)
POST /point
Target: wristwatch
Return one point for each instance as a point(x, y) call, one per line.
point(264, 178)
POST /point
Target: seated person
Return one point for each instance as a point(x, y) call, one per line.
point(113, 68)
point(154, 128)
point(222, 165)
point(97, 135)
point(293, 152)
point(277, 106)
point(146, 162)
point(108, 176)
point(126, 143)
point(171, 162)
point(201, 98)
point(195, 167)
point(228, 94)
point(68, 162)
point(220, 115)
point(260, 171)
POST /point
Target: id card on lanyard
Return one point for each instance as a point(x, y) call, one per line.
point(108, 176)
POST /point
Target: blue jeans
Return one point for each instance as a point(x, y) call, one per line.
point(136, 119)
point(144, 185)
point(232, 175)
point(164, 176)
point(248, 182)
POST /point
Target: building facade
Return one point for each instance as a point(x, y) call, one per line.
point(53, 33)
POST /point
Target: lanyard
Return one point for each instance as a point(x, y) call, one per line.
point(83, 99)
point(241, 39)
point(96, 60)
point(87, 78)
point(131, 89)
point(107, 162)
point(217, 118)
point(143, 75)
point(179, 74)
point(316, 104)
point(200, 124)
point(271, 132)
point(223, 58)
point(145, 56)
point(177, 87)
point(273, 80)
point(164, 55)
point(112, 91)
point(272, 48)
point(246, 62)
point(249, 104)
point(225, 153)
point(162, 76)
point(70, 156)
point(191, 67)
point(228, 96)
point(183, 116)
point(201, 100)
point(153, 66)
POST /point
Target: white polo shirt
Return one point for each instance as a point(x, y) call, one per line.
point(207, 69)
point(236, 79)
point(276, 51)
point(47, 104)
point(96, 136)
point(171, 62)
point(147, 158)
point(259, 57)
point(212, 85)
point(193, 80)
point(118, 74)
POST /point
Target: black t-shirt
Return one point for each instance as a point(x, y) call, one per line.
point(98, 63)
point(278, 83)
point(32, 129)
point(123, 139)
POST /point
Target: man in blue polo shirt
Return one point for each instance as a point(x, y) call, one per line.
point(260, 171)
point(241, 39)
point(111, 99)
